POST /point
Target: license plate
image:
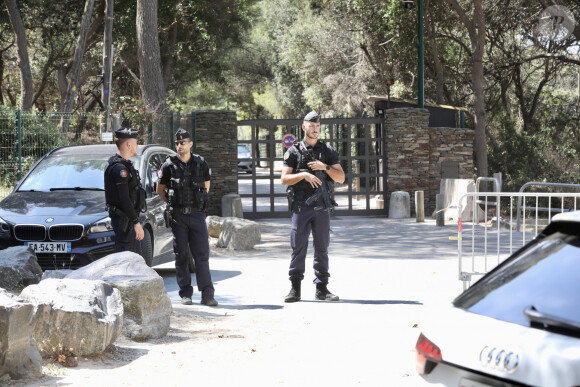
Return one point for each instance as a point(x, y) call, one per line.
point(472, 383)
point(49, 247)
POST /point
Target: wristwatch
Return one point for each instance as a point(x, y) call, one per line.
point(327, 167)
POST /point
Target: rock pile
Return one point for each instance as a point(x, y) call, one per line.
point(79, 315)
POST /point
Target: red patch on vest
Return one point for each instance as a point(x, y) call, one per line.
point(123, 173)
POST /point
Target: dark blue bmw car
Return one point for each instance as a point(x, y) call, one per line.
point(58, 208)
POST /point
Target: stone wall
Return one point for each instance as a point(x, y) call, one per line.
point(217, 138)
point(415, 153)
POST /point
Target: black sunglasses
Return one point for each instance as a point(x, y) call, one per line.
point(182, 142)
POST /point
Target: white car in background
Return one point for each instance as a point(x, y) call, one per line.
point(244, 158)
point(519, 325)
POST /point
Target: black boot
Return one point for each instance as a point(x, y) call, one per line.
point(294, 294)
point(323, 294)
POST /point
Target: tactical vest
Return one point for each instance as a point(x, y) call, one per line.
point(303, 188)
point(111, 194)
point(187, 185)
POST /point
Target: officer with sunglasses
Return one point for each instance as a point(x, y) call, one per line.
point(184, 182)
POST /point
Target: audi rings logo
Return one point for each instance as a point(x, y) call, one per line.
point(499, 359)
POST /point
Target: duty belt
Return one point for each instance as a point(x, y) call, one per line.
point(186, 210)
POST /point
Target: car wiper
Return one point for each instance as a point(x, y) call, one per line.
point(538, 319)
point(76, 189)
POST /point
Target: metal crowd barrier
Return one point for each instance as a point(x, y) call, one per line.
point(544, 184)
point(484, 241)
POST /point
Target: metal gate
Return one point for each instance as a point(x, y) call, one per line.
point(359, 142)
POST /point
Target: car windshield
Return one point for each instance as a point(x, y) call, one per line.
point(243, 149)
point(73, 171)
point(544, 276)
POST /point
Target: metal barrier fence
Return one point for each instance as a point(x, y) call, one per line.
point(546, 186)
point(26, 136)
point(485, 243)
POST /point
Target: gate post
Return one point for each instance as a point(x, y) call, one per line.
point(216, 140)
point(419, 206)
point(19, 131)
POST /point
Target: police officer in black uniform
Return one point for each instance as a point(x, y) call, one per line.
point(184, 182)
point(298, 173)
point(124, 195)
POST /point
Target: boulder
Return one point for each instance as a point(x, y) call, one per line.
point(239, 234)
point(18, 268)
point(146, 303)
point(214, 225)
point(58, 274)
point(19, 356)
point(79, 317)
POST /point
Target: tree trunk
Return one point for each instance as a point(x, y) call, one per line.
point(439, 74)
point(168, 59)
point(478, 82)
point(151, 75)
point(1, 78)
point(23, 61)
point(67, 104)
point(476, 28)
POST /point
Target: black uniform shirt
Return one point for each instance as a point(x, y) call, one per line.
point(165, 171)
point(119, 175)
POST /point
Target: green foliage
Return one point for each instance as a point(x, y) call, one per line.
point(548, 156)
point(39, 133)
point(284, 57)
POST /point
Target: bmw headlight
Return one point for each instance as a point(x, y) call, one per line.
point(102, 225)
point(4, 227)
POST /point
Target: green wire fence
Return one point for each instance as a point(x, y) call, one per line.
point(27, 136)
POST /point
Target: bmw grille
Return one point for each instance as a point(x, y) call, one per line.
point(57, 232)
point(65, 232)
point(29, 232)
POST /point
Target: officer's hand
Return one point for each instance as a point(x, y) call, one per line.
point(313, 180)
point(317, 165)
point(139, 231)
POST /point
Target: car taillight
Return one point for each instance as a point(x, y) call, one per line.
point(427, 355)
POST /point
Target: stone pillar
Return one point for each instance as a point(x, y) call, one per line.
point(217, 138)
point(415, 153)
point(407, 144)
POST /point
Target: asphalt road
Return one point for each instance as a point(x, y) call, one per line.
point(392, 277)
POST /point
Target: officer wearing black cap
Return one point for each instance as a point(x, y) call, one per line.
point(184, 182)
point(124, 195)
point(296, 173)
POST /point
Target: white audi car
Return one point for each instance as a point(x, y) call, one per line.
point(519, 325)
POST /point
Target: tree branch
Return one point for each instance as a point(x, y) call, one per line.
point(135, 77)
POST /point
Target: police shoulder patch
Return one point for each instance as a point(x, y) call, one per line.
point(123, 173)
